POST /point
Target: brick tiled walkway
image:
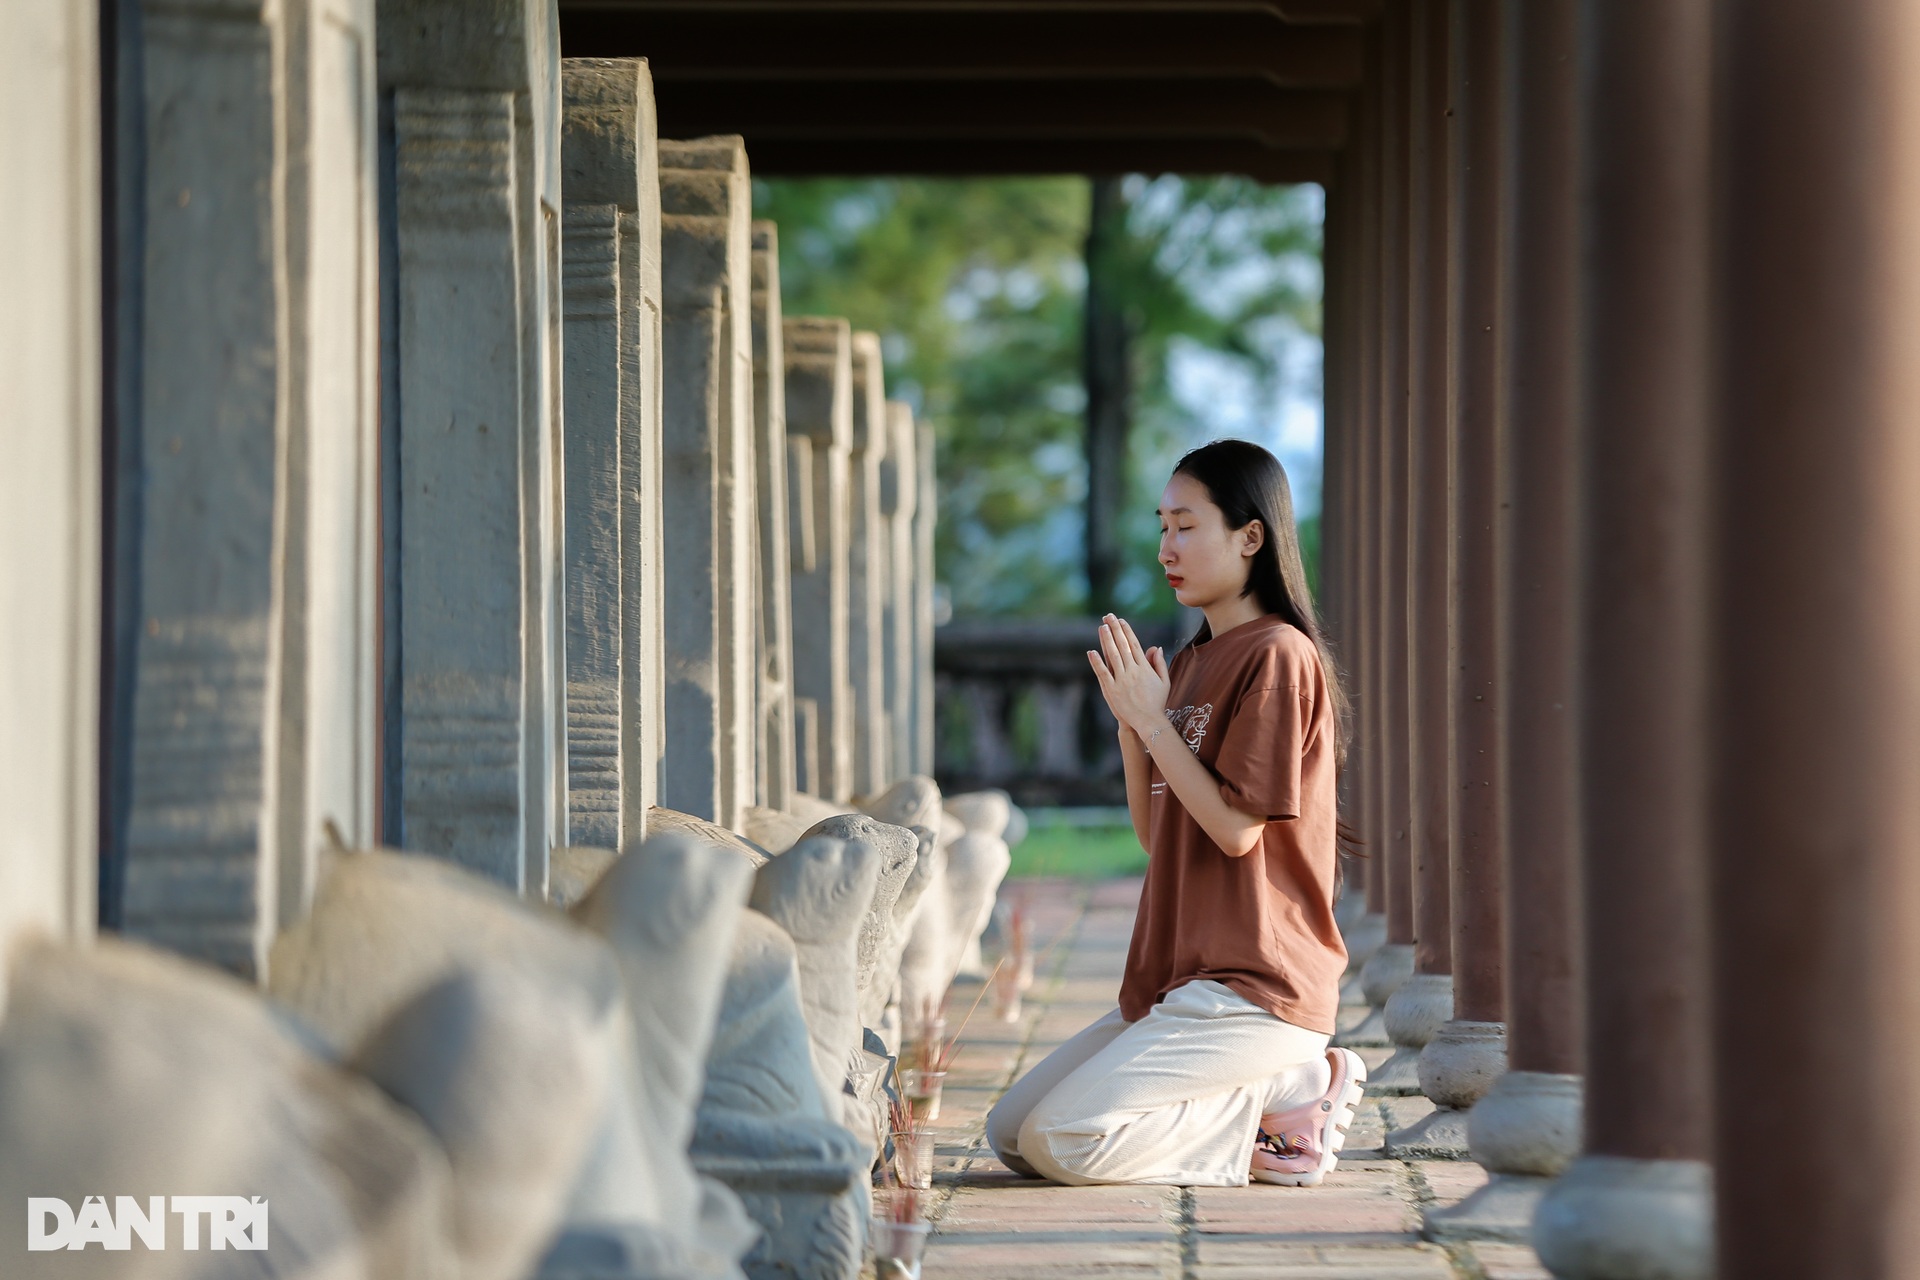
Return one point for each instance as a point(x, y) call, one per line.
point(1363, 1223)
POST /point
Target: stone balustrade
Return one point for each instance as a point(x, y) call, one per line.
point(1019, 709)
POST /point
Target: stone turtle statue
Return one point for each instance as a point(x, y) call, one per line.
point(766, 1129)
point(128, 1073)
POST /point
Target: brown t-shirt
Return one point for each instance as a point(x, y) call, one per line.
point(1253, 705)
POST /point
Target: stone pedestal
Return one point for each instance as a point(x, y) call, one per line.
point(707, 499)
point(477, 771)
point(1380, 977)
point(1457, 1067)
point(611, 253)
point(867, 542)
point(1525, 1132)
point(1364, 936)
point(819, 389)
point(50, 379)
point(1414, 1013)
point(1620, 1218)
point(774, 716)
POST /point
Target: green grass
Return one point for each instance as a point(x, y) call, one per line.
point(1082, 853)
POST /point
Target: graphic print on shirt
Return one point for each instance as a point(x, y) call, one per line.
point(1191, 723)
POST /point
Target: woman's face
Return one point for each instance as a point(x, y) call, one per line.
point(1205, 561)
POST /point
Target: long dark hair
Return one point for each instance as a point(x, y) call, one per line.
point(1247, 483)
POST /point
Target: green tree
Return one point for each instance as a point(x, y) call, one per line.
point(977, 288)
point(1221, 266)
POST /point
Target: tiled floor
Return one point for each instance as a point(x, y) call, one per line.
point(1363, 1223)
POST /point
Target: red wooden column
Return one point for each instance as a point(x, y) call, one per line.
point(1468, 1053)
point(1366, 928)
point(1426, 1000)
point(1815, 800)
point(1392, 964)
point(1527, 1128)
point(1640, 1198)
point(1335, 600)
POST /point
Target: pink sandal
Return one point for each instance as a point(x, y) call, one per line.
point(1299, 1147)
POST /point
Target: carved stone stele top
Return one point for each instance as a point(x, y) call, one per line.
point(659, 819)
point(775, 830)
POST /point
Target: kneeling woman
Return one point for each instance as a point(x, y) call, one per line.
point(1215, 1067)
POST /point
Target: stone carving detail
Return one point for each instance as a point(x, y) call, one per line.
point(914, 801)
point(510, 1073)
point(927, 958)
point(473, 761)
point(899, 497)
point(774, 830)
point(407, 960)
point(207, 300)
point(674, 820)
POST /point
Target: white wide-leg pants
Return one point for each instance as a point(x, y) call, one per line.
point(1173, 1098)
